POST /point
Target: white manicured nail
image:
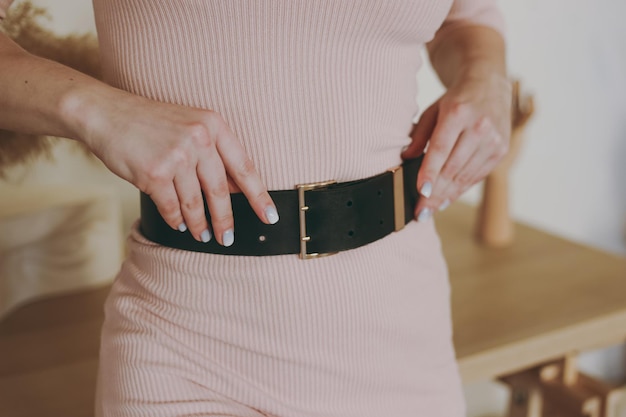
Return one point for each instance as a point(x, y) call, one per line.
point(271, 214)
point(424, 215)
point(427, 189)
point(182, 227)
point(228, 238)
point(444, 205)
point(205, 236)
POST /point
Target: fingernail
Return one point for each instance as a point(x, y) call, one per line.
point(424, 215)
point(205, 236)
point(427, 189)
point(228, 238)
point(271, 214)
point(444, 205)
point(182, 227)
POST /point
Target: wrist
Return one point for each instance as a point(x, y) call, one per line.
point(71, 112)
point(81, 109)
point(469, 51)
point(482, 70)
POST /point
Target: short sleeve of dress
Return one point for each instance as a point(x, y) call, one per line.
point(4, 6)
point(476, 12)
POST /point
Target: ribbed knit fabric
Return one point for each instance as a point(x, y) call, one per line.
point(314, 90)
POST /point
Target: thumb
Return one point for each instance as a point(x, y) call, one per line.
point(421, 132)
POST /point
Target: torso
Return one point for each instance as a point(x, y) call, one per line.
point(314, 90)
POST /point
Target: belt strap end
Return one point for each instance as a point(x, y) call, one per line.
point(398, 197)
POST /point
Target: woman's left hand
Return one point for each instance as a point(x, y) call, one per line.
point(467, 131)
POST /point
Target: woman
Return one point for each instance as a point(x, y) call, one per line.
point(204, 96)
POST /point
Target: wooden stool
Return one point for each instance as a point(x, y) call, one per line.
point(559, 389)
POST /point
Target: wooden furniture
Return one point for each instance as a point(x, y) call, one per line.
point(539, 300)
point(559, 389)
point(513, 309)
point(49, 356)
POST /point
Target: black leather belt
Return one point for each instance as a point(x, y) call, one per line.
point(316, 219)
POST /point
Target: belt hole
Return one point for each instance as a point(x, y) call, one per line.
point(380, 193)
point(381, 221)
point(349, 203)
point(350, 232)
point(262, 238)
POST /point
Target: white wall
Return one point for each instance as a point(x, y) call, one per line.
point(570, 178)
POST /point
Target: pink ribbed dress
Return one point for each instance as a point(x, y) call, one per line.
point(314, 90)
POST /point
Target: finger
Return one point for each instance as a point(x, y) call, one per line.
point(456, 171)
point(488, 156)
point(421, 132)
point(242, 170)
point(232, 186)
point(168, 205)
point(213, 181)
point(192, 205)
point(483, 161)
point(476, 169)
point(449, 126)
point(483, 171)
point(462, 182)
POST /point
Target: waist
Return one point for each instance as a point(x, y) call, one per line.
point(316, 219)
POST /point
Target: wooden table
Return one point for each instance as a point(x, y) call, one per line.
point(537, 300)
point(512, 308)
point(56, 239)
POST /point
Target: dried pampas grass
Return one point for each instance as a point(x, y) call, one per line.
point(80, 52)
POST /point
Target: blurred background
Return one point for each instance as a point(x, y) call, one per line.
point(570, 178)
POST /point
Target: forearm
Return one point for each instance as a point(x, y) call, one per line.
point(468, 51)
point(42, 97)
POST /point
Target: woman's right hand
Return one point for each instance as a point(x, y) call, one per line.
point(174, 153)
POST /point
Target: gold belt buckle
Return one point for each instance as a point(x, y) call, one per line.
point(302, 208)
